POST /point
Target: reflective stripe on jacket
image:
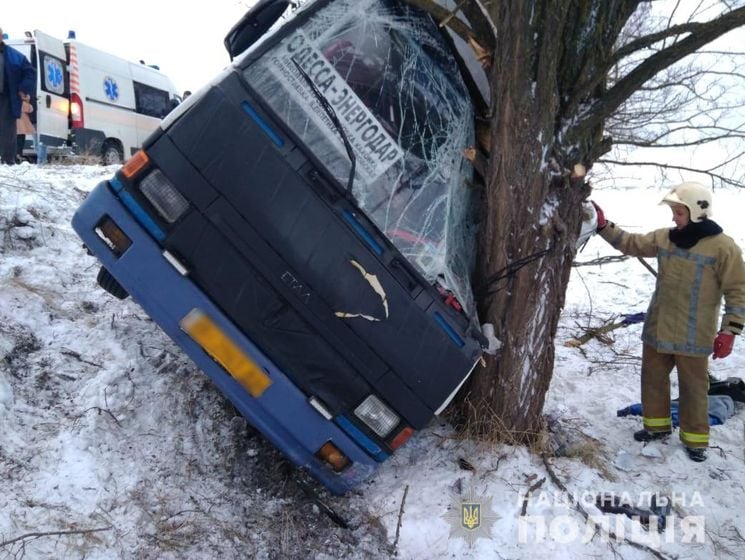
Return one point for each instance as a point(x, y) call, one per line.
point(683, 314)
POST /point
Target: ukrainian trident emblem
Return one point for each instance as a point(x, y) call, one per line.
point(471, 515)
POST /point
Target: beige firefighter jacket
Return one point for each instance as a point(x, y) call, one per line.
point(684, 311)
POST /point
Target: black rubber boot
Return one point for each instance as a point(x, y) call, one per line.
point(644, 435)
point(697, 454)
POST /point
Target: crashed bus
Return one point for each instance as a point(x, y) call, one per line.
point(303, 229)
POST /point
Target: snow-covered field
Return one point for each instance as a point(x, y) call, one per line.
point(114, 445)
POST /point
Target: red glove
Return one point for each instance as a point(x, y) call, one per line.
point(602, 222)
point(723, 344)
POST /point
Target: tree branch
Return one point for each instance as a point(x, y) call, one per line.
point(39, 534)
point(710, 172)
point(651, 39)
point(604, 106)
point(445, 17)
point(654, 143)
point(400, 519)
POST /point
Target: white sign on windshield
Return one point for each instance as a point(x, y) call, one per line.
point(374, 148)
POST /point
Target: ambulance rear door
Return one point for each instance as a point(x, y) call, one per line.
point(52, 105)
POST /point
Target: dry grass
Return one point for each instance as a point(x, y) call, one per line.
point(592, 453)
point(80, 159)
point(555, 440)
point(486, 425)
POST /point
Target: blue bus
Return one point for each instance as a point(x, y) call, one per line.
point(303, 228)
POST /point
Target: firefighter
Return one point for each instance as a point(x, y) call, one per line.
point(697, 265)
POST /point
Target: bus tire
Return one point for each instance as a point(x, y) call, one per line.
point(110, 284)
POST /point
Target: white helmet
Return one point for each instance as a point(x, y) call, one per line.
point(694, 196)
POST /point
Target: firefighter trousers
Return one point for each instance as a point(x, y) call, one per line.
point(693, 380)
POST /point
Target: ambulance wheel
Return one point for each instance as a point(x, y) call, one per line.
point(112, 153)
point(110, 284)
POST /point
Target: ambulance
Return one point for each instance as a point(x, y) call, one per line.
point(90, 102)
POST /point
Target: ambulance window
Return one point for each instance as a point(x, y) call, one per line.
point(53, 74)
point(26, 50)
point(151, 101)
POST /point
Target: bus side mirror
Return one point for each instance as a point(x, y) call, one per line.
point(253, 25)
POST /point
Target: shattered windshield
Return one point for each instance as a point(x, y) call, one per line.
point(394, 85)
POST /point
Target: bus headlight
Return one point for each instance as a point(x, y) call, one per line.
point(376, 416)
point(163, 196)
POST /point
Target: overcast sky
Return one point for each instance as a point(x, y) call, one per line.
point(187, 42)
point(183, 38)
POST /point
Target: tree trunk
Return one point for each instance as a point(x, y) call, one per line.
point(550, 99)
point(532, 208)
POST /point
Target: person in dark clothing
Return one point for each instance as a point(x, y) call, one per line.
point(18, 79)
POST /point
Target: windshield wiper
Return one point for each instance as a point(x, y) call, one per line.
point(336, 122)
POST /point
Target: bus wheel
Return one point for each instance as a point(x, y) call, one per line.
point(110, 284)
point(112, 153)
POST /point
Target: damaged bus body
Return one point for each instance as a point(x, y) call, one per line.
point(302, 229)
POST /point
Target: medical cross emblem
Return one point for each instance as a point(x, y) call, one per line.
point(54, 75)
point(111, 89)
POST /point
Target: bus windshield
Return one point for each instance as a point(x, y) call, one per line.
point(391, 78)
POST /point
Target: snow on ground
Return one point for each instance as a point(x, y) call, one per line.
point(114, 445)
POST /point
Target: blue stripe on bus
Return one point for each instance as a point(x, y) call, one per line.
point(365, 442)
point(445, 326)
point(141, 216)
point(362, 232)
point(263, 125)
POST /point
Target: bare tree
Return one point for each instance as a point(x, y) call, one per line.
point(563, 74)
point(697, 104)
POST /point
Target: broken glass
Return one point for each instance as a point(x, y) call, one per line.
point(391, 78)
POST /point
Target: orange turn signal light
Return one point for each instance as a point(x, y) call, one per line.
point(135, 164)
point(335, 458)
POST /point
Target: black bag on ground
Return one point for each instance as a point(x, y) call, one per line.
point(732, 386)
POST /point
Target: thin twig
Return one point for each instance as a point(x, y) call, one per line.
point(624, 286)
point(400, 518)
point(601, 260)
point(532, 489)
point(39, 534)
point(647, 266)
point(106, 410)
point(737, 531)
point(597, 332)
point(325, 508)
point(72, 353)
